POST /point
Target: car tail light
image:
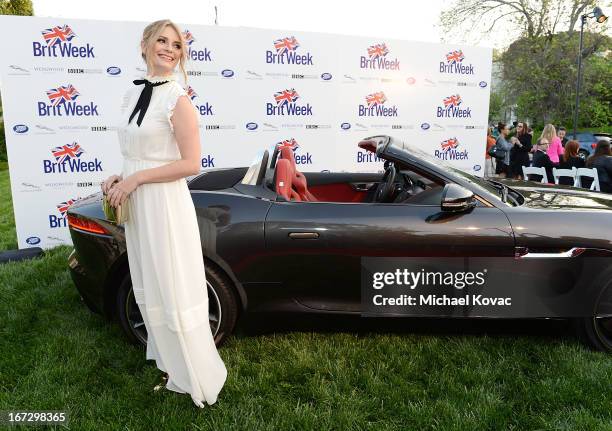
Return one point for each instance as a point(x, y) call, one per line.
point(86, 225)
point(594, 144)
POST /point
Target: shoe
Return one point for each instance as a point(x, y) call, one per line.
point(162, 384)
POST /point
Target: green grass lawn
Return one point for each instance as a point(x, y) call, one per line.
point(57, 355)
point(8, 235)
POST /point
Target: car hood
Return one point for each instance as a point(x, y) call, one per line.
point(553, 196)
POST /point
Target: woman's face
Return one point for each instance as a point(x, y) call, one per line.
point(505, 131)
point(166, 52)
point(519, 128)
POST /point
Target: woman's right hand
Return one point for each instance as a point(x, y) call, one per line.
point(107, 184)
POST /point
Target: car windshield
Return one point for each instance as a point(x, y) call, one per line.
point(415, 152)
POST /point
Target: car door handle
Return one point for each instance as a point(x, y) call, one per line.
point(524, 253)
point(303, 235)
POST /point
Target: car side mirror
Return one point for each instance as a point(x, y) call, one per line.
point(456, 198)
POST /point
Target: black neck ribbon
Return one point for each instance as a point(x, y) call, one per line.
point(144, 99)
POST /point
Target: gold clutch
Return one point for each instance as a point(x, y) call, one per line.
point(117, 215)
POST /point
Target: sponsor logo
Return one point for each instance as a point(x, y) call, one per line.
point(68, 159)
point(454, 64)
point(33, 240)
point(44, 129)
point(410, 81)
point(17, 70)
point(375, 106)
point(345, 126)
point(113, 70)
point(286, 53)
point(300, 159)
point(208, 161)
point(99, 128)
point(451, 108)
point(86, 184)
point(253, 75)
point(251, 126)
point(402, 126)
point(377, 59)
point(195, 54)
point(58, 42)
point(477, 168)
point(317, 126)
point(286, 104)
point(194, 73)
point(482, 84)
point(61, 222)
point(206, 109)
point(63, 102)
point(425, 126)
point(227, 73)
point(30, 187)
point(448, 151)
point(20, 128)
point(326, 76)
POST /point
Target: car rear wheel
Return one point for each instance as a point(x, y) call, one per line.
point(222, 306)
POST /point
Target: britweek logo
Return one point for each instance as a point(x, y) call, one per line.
point(194, 54)
point(63, 103)
point(286, 53)
point(377, 59)
point(286, 104)
point(58, 43)
point(450, 108)
point(68, 159)
point(204, 110)
point(59, 222)
point(448, 150)
point(454, 64)
point(375, 106)
point(300, 159)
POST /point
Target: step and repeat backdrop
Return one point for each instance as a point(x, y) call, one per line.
point(63, 82)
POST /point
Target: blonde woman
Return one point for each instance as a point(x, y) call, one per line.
point(555, 149)
point(160, 143)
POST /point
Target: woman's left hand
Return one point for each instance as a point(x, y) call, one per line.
point(120, 191)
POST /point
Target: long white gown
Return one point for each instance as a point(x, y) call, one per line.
point(165, 254)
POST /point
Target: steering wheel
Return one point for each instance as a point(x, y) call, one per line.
point(385, 187)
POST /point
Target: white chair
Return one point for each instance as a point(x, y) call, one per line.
point(587, 172)
point(535, 171)
point(570, 173)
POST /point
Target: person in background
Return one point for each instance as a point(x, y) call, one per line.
point(561, 134)
point(602, 161)
point(570, 160)
point(519, 154)
point(555, 150)
point(502, 166)
point(489, 161)
point(541, 160)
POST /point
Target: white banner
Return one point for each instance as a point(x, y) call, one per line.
point(63, 81)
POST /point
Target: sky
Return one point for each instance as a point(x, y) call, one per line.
point(393, 19)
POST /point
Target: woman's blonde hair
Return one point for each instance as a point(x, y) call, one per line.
point(150, 35)
point(549, 132)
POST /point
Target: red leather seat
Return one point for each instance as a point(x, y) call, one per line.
point(298, 181)
point(284, 179)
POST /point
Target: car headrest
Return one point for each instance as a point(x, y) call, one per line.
point(287, 154)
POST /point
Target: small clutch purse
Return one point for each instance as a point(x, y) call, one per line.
point(117, 215)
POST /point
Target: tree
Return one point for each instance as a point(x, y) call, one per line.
point(16, 7)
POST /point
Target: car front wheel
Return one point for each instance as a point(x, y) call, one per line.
point(222, 308)
point(596, 332)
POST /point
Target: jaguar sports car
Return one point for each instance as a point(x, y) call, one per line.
point(275, 239)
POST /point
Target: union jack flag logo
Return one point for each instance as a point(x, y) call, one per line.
point(57, 34)
point(62, 94)
point(291, 143)
point(286, 96)
point(63, 207)
point(286, 44)
point(376, 99)
point(191, 93)
point(449, 144)
point(455, 56)
point(188, 36)
point(454, 100)
point(66, 152)
point(378, 50)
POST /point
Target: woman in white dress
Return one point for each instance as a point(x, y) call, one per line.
point(160, 144)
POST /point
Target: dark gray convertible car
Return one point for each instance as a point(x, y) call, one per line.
point(276, 239)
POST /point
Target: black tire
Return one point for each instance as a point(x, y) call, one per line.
point(222, 302)
point(597, 332)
